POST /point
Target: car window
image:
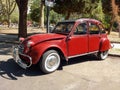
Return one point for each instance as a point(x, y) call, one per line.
point(81, 29)
point(63, 27)
point(93, 28)
point(102, 29)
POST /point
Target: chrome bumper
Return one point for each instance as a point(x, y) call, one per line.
point(16, 57)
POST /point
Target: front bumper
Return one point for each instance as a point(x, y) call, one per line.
point(16, 57)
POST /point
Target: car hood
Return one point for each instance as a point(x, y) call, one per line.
point(44, 37)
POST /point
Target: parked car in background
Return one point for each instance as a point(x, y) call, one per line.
point(68, 39)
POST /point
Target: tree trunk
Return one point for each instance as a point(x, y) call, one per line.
point(41, 22)
point(115, 10)
point(119, 28)
point(8, 20)
point(22, 5)
point(68, 15)
point(111, 25)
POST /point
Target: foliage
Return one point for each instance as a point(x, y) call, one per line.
point(34, 4)
point(55, 17)
point(35, 14)
point(7, 8)
point(14, 17)
point(87, 8)
point(112, 8)
point(35, 10)
point(107, 8)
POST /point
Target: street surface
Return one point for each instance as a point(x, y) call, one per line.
point(83, 73)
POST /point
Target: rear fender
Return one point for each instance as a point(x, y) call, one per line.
point(104, 44)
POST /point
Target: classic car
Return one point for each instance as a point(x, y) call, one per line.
point(69, 39)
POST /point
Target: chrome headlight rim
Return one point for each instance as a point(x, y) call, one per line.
point(30, 44)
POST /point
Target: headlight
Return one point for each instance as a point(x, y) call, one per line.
point(29, 44)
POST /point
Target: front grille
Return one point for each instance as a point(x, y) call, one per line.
point(21, 48)
point(24, 59)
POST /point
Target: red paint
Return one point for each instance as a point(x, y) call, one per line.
point(68, 44)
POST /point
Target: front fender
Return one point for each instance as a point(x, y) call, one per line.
point(38, 50)
point(105, 44)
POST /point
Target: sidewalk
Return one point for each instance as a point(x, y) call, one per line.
point(115, 51)
point(4, 38)
point(11, 35)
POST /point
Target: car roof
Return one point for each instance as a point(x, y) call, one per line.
point(82, 19)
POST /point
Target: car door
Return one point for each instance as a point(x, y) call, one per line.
point(78, 43)
point(94, 37)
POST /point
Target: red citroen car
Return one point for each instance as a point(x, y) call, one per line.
point(67, 40)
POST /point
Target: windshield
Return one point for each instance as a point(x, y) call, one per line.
point(63, 27)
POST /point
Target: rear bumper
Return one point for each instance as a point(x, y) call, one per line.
point(20, 62)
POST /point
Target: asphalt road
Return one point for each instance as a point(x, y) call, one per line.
point(83, 73)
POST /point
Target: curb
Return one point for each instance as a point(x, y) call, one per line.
point(115, 42)
point(114, 55)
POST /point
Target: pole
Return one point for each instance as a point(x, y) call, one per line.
point(48, 12)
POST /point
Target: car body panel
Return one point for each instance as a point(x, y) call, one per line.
point(39, 49)
point(74, 45)
point(94, 42)
point(67, 45)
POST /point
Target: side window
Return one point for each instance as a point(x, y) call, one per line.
point(102, 29)
point(93, 28)
point(81, 29)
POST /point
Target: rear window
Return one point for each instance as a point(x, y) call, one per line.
point(93, 28)
point(102, 29)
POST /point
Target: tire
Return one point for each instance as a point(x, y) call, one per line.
point(102, 55)
point(50, 61)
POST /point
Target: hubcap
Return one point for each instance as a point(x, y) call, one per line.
point(52, 62)
point(104, 54)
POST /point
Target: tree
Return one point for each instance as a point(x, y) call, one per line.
point(1, 8)
point(68, 7)
point(115, 13)
point(37, 12)
point(34, 4)
point(41, 18)
point(111, 8)
point(7, 8)
point(22, 5)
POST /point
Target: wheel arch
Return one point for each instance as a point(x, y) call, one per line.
point(104, 44)
point(60, 52)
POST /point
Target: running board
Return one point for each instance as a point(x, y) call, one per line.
point(82, 54)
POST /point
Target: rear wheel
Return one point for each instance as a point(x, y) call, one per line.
point(50, 61)
point(103, 55)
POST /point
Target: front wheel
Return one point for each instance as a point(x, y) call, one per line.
point(102, 55)
point(50, 61)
